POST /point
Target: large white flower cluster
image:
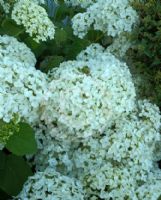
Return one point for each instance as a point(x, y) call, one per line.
point(120, 163)
point(51, 185)
point(11, 49)
point(22, 87)
point(113, 17)
point(89, 95)
point(35, 20)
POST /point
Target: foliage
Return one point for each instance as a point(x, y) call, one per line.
point(19, 140)
point(146, 53)
point(13, 173)
point(22, 143)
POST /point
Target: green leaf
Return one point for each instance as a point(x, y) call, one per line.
point(4, 195)
point(73, 50)
point(61, 12)
point(14, 171)
point(51, 62)
point(37, 48)
point(159, 197)
point(9, 27)
point(60, 36)
point(95, 36)
point(23, 142)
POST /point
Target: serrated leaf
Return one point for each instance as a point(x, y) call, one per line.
point(73, 50)
point(23, 142)
point(37, 48)
point(60, 12)
point(51, 62)
point(60, 36)
point(9, 27)
point(4, 195)
point(94, 35)
point(13, 173)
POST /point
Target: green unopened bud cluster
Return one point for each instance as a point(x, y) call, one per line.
point(8, 129)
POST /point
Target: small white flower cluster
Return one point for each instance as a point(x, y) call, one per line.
point(93, 51)
point(11, 49)
point(119, 46)
point(88, 95)
point(113, 17)
point(1, 146)
point(5, 6)
point(82, 3)
point(51, 185)
point(22, 87)
point(35, 20)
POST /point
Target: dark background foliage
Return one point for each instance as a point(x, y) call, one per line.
point(145, 57)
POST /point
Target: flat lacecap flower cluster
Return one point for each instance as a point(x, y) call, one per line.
point(88, 96)
point(34, 18)
point(113, 17)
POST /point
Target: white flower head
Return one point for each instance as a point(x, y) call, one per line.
point(35, 20)
point(88, 95)
point(13, 50)
point(113, 17)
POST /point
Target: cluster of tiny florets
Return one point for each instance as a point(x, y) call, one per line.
point(88, 96)
point(5, 6)
point(11, 49)
point(35, 20)
point(120, 164)
point(8, 4)
point(98, 141)
point(95, 139)
point(50, 184)
point(53, 152)
point(117, 164)
point(22, 86)
point(7, 130)
point(113, 17)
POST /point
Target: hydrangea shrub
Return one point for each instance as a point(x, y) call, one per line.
point(72, 123)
